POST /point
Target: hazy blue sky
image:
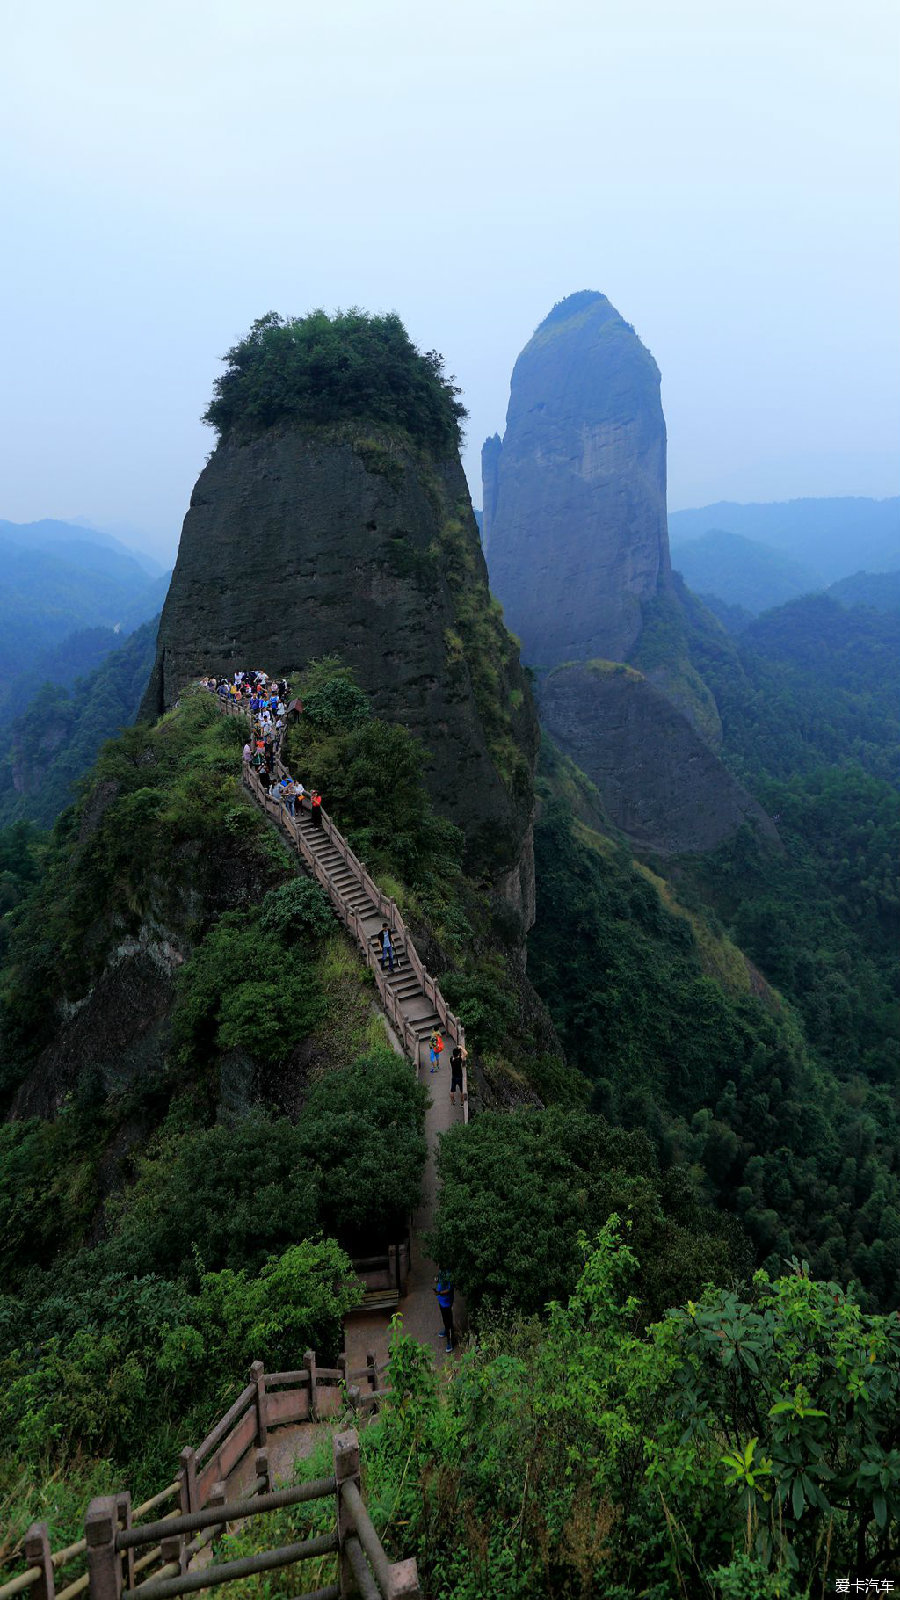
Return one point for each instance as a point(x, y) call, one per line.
point(725, 170)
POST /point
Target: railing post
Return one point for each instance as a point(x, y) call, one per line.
point(345, 1449)
point(104, 1566)
point(188, 1495)
point(123, 1512)
point(309, 1361)
point(37, 1554)
point(258, 1376)
point(217, 1498)
point(174, 1550)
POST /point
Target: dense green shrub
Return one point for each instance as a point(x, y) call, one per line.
point(371, 776)
point(226, 1196)
point(337, 707)
point(738, 1448)
point(240, 991)
point(319, 369)
point(362, 1133)
point(47, 1187)
point(481, 997)
point(518, 1188)
point(131, 1356)
point(298, 911)
point(234, 1194)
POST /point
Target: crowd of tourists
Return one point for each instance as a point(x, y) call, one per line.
point(265, 702)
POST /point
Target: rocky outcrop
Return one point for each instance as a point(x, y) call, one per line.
point(575, 497)
point(300, 544)
point(657, 778)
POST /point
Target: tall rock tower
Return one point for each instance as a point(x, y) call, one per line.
point(327, 531)
point(575, 528)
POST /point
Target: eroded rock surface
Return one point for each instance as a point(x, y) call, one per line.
point(575, 496)
point(657, 778)
point(298, 546)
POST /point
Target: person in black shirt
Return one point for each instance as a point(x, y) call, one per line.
point(460, 1054)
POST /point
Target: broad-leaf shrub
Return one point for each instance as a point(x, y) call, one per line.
point(740, 1448)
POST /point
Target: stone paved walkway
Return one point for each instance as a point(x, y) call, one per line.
point(369, 1330)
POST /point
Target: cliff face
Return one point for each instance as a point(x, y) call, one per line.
point(299, 545)
point(575, 496)
point(657, 778)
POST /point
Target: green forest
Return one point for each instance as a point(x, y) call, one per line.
point(675, 1218)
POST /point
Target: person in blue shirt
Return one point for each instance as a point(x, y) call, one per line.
point(443, 1288)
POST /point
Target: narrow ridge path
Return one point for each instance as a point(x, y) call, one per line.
point(414, 1006)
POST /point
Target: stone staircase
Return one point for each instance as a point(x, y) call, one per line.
point(420, 1013)
point(410, 995)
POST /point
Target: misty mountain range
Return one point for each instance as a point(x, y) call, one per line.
point(757, 556)
point(57, 580)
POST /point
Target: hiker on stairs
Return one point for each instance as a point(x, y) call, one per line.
point(435, 1046)
point(387, 948)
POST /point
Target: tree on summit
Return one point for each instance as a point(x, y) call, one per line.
point(322, 369)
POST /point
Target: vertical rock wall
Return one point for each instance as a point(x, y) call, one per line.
point(575, 497)
point(297, 545)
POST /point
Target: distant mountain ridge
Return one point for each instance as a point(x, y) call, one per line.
point(833, 537)
point(743, 571)
point(878, 589)
point(60, 728)
point(63, 585)
point(50, 533)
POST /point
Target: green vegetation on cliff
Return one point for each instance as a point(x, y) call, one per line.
point(695, 1049)
point(809, 698)
point(322, 370)
point(743, 1446)
point(214, 1084)
point(204, 1167)
point(56, 736)
point(518, 1188)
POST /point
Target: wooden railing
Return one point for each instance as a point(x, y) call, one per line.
point(386, 908)
point(115, 1531)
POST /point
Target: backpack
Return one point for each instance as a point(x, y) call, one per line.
point(438, 1044)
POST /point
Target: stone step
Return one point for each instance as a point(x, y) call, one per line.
point(423, 1026)
point(402, 974)
point(404, 996)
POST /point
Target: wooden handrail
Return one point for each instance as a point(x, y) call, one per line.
point(193, 1514)
point(386, 907)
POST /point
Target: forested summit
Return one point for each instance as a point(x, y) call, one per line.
point(319, 369)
